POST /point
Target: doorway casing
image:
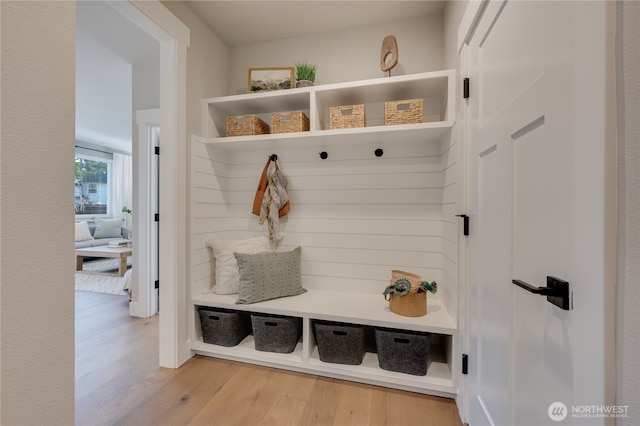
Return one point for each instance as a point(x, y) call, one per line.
point(145, 204)
point(174, 38)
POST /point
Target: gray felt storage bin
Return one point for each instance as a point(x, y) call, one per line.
point(273, 333)
point(222, 326)
point(340, 343)
point(403, 351)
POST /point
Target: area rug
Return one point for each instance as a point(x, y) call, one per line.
point(101, 276)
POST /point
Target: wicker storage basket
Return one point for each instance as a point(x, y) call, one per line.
point(289, 122)
point(413, 304)
point(347, 117)
point(246, 125)
point(403, 112)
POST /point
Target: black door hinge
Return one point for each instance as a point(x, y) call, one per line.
point(156, 217)
point(157, 284)
point(465, 88)
point(466, 223)
point(156, 149)
point(465, 364)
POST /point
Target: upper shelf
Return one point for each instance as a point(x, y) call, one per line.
point(435, 88)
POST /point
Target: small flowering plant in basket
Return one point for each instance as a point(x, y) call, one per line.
point(407, 294)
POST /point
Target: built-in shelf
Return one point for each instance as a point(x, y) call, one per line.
point(435, 88)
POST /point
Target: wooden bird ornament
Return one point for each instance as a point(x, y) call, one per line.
point(389, 48)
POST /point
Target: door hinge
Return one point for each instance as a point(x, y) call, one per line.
point(465, 364)
point(156, 284)
point(465, 88)
point(156, 150)
point(156, 217)
point(466, 223)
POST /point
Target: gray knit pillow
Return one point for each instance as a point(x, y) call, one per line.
point(270, 275)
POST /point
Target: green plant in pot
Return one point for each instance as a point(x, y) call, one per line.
point(305, 74)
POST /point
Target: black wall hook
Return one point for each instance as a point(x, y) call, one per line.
point(324, 155)
point(274, 157)
point(378, 152)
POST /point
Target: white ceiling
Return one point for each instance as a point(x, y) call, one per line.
point(107, 43)
point(240, 23)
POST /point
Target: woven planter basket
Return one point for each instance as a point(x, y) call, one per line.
point(289, 122)
point(246, 125)
point(347, 117)
point(403, 112)
point(413, 304)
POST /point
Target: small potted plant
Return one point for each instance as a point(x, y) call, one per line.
point(305, 74)
point(407, 294)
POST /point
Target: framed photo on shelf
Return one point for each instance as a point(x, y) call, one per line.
point(267, 79)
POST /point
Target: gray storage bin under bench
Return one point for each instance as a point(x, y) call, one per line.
point(340, 343)
point(274, 333)
point(223, 327)
point(403, 351)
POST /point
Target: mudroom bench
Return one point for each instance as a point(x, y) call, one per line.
point(381, 193)
point(348, 308)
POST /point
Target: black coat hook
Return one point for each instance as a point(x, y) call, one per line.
point(324, 155)
point(274, 157)
point(378, 152)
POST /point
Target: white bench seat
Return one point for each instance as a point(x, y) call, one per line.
point(357, 308)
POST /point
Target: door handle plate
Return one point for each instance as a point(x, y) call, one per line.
point(557, 291)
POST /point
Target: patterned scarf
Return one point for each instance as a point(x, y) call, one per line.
point(274, 198)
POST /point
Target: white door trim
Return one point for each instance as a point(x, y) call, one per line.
point(174, 39)
point(144, 302)
point(469, 21)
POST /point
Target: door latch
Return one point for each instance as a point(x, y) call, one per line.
point(557, 291)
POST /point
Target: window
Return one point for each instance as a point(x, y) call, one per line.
point(92, 186)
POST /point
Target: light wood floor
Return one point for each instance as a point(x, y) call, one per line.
point(118, 382)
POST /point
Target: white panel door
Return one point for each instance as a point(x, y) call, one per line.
point(537, 205)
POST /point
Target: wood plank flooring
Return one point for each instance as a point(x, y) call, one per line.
point(118, 382)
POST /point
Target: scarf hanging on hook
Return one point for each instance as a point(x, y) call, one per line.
point(271, 201)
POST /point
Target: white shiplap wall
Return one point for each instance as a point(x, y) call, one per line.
point(451, 225)
point(355, 216)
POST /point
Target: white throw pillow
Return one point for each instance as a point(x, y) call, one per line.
point(82, 232)
point(227, 277)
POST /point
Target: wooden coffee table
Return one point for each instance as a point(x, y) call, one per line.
point(104, 251)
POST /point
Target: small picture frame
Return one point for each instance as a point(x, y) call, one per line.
point(268, 79)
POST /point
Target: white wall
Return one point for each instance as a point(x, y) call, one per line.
point(36, 173)
point(628, 318)
point(347, 55)
point(356, 216)
point(207, 64)
point(108, 119)
point(146, 86)
point(453, 12)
